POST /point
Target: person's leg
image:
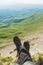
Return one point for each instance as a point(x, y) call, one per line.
point(27, 46)
point(24, 55)
point(23, 51)
point(17, 42)
point(18, 45)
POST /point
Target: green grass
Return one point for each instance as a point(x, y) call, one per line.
point(26, 26)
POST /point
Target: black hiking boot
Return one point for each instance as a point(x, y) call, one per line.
point(17, 42)
point(26, 45)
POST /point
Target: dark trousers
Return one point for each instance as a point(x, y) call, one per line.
point(24, 58)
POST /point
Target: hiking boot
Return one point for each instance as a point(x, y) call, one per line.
point(17, 42)
point(26, 45)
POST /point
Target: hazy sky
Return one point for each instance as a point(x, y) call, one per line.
point(13, 2)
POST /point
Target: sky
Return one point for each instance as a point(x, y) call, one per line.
point(5, 3)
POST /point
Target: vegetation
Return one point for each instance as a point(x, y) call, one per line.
point(9, 60)
point(20, 27)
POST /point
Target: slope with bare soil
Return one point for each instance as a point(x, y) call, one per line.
point(36, 45)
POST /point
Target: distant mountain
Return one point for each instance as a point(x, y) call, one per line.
point(8, 13)
point(8, 17)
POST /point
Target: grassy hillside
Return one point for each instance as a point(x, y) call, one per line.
point(20, 26)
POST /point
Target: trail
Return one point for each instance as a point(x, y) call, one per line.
point(36, 45)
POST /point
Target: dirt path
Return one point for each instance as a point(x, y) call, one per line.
point(36, 45)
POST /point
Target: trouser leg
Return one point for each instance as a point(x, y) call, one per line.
point(24, 56)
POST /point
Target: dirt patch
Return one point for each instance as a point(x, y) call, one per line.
point(36, 45)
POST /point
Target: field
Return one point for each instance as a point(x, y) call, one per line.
point(28, 25)
point(20, 27)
